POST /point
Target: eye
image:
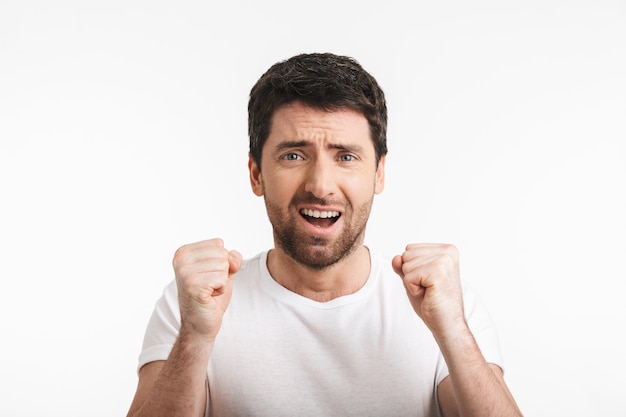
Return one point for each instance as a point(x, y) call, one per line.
point(347, 158)
point(291, 156)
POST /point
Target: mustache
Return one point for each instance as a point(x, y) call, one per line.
point(312, 200)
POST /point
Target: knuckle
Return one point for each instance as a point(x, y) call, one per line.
point(450, 248)
point(180, 256)
point(218, 255)
point(219, 242)
point(222, 263)
point(448, 253)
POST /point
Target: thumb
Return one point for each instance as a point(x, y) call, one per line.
point(235, 260)
point(396, 263)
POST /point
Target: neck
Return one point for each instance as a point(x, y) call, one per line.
point(343, 278)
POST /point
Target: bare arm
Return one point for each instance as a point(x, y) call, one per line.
point(473, 388)
point(177, 386)
point(173, 387)
point(148, 375)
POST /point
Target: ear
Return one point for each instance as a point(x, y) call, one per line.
point(256, 181)
point(380, 175)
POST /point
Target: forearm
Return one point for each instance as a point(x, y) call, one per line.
point(478, 390)
point(180, 387)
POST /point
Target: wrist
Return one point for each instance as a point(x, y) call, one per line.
point(190, 337)
point(459, 347)
point(453, 336)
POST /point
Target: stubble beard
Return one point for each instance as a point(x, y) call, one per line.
point(314, 252)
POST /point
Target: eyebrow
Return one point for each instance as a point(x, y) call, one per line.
point(289, 144)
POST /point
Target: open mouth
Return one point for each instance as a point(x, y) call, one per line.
point(320, 218)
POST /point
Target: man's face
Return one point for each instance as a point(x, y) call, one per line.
point(318, 178)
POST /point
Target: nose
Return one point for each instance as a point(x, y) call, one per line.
point(320, 179)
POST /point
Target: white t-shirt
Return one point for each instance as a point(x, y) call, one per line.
point(281, 354)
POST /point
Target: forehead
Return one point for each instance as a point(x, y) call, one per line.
point(299, 121)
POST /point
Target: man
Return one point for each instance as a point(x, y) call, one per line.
point(319, 325)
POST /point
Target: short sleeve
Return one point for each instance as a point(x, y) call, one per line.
point(163, 326)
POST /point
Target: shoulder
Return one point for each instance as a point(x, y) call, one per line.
point(252, 268)
point(254, 264)
point(251, 278)
point(382, 269)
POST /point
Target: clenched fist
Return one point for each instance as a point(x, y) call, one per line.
point(204, 277)
point(430, 273)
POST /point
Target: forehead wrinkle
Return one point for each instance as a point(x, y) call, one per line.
point(305, 127)
point(290, 144)
point(328, 136)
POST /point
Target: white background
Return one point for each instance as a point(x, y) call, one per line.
point(123, 135)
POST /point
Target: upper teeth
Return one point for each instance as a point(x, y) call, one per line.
point(320, 214)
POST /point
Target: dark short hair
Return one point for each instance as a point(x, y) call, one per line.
point(320, 80)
